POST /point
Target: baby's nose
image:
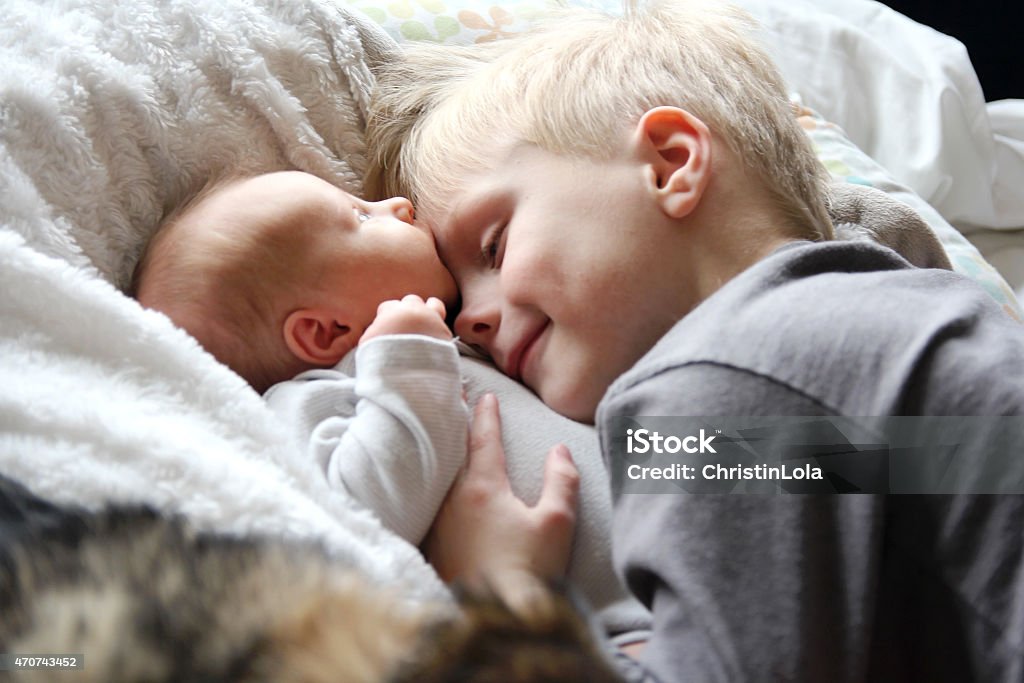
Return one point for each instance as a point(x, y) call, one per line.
point(399, 207)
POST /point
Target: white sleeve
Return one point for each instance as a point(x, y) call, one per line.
point(392, 434)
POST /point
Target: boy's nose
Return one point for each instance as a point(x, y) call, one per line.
point(477, 323)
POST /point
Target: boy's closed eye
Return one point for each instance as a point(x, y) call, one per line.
point(494, 245)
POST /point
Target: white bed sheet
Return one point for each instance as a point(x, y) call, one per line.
point(1004, 249)
point(909, 97)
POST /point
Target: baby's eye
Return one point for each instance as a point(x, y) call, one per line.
point(361, 216)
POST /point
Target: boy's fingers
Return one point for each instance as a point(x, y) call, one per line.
point(561, 485)
point(486, 456)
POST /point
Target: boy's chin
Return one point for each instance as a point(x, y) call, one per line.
point(575, 404)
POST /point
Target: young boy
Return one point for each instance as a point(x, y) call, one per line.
point(296, 285)
point(284, 273)
point(635, 220)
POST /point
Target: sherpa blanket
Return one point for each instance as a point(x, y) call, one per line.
point(111, 112)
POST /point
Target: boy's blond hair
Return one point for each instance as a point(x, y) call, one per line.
point(224, 285)
point(580, 81)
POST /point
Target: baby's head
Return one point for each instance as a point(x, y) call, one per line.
point(277, 273)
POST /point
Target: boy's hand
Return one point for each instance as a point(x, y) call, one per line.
point(411, 315)
point(484, 534)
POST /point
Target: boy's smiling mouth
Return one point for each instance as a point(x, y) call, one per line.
point(520, 355)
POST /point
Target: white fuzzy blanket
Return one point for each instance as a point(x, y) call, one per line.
point(109, 113)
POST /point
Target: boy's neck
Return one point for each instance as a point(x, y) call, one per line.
point(730, 233)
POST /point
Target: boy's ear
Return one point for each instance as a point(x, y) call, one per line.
point(675, 147)
point(318, 336)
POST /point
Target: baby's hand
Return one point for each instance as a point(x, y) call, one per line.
point(411, 315)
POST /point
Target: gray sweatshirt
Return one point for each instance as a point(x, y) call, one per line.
point(828, 587)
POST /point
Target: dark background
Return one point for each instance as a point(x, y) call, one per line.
point(991, 31)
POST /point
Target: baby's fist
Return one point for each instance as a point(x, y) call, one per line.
point(411, 315)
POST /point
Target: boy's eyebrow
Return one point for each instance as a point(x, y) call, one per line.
point(458, 235)
point(466, 215)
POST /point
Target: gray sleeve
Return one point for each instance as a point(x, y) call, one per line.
point(745, 588)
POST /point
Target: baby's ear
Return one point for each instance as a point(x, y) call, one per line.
point(318, 336)
point(675, 147)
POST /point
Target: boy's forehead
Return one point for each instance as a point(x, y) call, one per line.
point(458, 205)
point(442, 163)
point(467, 180)
point(437, 203)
